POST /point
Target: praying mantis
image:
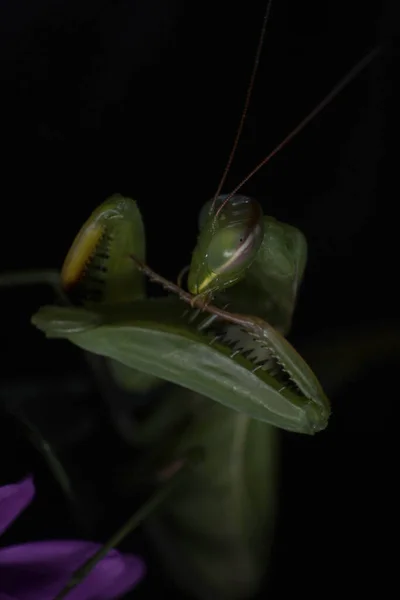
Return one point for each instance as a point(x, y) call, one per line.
point(240, 378)
point(241, 258)
point(228, 501)
point(247, 366)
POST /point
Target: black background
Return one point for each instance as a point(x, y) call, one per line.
point(143, 98)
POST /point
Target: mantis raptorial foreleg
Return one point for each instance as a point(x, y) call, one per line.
point(242, 362)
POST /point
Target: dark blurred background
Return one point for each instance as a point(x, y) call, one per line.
point(143, 98)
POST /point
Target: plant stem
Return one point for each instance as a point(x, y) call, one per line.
point(134, 521)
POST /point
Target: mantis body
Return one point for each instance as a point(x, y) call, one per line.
point(214, 534)
point(242, 260)
point(248, 366)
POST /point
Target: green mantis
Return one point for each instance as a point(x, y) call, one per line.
point(248, 365)
point(214, 535)
point(243, 260)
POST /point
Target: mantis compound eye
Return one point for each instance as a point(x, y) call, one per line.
point(227, 245)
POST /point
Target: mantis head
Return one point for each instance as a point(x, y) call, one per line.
point(250, 261)
point(230, 237)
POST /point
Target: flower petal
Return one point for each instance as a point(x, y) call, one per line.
point(14, 498)
point(39, 570)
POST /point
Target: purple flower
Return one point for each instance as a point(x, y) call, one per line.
point(39, 570)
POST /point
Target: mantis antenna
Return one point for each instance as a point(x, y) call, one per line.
point(347, 79)
point(328, 98)
point(246, 102)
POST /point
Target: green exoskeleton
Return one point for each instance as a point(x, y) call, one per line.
point(248, 367)
point(248, 262)
point(214, 534)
